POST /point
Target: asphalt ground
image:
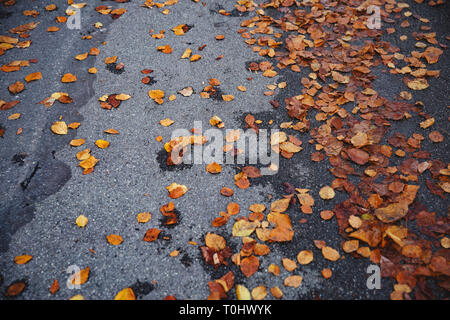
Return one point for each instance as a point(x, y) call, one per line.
point(44, 191)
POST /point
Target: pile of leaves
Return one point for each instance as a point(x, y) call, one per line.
point(332, 41)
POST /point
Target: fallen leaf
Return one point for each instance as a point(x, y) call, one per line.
point(59, 127)
point(144, 217)
point(125, 294)
point(81, 221)
point(214, 168)
point(249, 265)
point(77, 142)
point(151, 235)
point(54, 287)
point(259, 293)
point(305, 257)
point(166, 122)
point(214, 241)
point(114, 239)
point(242, 293)
point(327, 193)
point(102, 144)
point(16, 87)
point(68, 77)
point(33, 76)
point(293, 281)
point(330, 253)
point(81, 56)
point(22, 259)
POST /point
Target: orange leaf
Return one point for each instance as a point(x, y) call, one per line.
point(114, 239)
point(33, 76)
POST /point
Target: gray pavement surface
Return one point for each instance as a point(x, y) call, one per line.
point(44, 192)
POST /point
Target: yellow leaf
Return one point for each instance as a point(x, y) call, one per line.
point(164, 49)
point(174, 253)
point(123, 97)
point(59, 127)
point(156, 94)
point(305, 257)
point(280, 205)
point(227, 97)
point(418, 84)
point(290, 147)
point(327, 193)
point(427, 123)
point(330, 253)
point(125, 294)
point(83, 155)
point(14, 116)
point(178, 30)
point(74, 125)
point(242, 293)
point(216, 121)
point(176, 190)
point(81, 56)
point(80, 277)
point(243, 228)
point(195, 57)
point(102, 144)
point(144, 217)
point(259, 293)
point(166, 122)
point(77, 142)
point(22, 259)
point(109, 60)
point(81, 221)
point(270, 73)
point(88, 163)
point(186, 54)
point(50, 7)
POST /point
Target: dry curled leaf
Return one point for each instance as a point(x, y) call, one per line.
point(151, 235)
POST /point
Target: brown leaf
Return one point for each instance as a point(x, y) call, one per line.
point(15, 288)
point(54, 287)
point(151, 235)
point(16, 87)
point(249, 265)
point(215, 241)
point(358, 156)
